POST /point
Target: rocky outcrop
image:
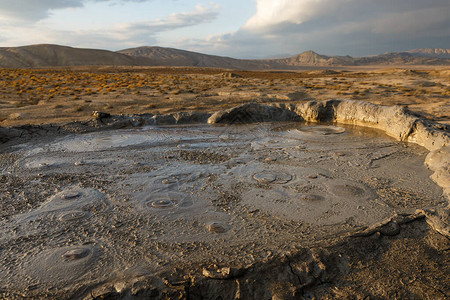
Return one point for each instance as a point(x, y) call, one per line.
point(439, 162)
point(395, 121)
point(253, 112)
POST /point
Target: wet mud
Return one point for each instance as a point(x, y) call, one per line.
point(281, 210)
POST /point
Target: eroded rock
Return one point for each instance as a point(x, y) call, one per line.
point(253, 112)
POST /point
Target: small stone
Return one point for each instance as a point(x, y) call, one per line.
point(222, 273)
point(100, 115)
point(216, 227)
point(169, 181)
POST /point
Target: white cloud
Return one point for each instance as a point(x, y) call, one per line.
point(416, 21)
point(271, 13)
point(117, 37)
point(279, 15)
point(355, 27)
point(34, 10)
point(278, 27)
point(199, 16)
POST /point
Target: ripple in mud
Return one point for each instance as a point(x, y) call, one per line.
point(322, 130)
point(272, 177)
point(72, 216)
point(346, 190)
point(61, 264)
point(312, 198)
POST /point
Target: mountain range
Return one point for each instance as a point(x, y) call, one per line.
point(46, 55)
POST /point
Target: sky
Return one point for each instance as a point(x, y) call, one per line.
point(234, 28)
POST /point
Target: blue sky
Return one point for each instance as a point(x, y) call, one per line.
point(236, 28)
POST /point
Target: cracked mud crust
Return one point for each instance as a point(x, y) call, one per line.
point(156, 207)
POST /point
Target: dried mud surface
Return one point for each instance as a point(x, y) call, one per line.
point(165, 206)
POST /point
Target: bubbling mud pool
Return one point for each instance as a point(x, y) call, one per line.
point(140, 201)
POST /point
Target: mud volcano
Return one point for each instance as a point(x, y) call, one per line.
point(174, 210)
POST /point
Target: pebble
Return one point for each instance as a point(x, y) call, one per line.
point(222, 273)
point(216, 227)
point(100, 115)
point(169, 181)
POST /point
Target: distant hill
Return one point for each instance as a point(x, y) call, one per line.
point(311, 58)
point(400, 58)
point(175, 57)
point(41, 56)
point(45, 55)
point(431, 52)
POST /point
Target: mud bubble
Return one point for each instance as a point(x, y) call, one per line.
point(62, 264)
point(278, 187)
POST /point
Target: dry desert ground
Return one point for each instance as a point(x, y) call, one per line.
point(60, 95)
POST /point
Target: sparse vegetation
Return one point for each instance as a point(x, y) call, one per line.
point(52, 95)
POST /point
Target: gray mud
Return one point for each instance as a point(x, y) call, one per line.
point(160, 211)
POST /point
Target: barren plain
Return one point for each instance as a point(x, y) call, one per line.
point(38, 96)
point(273, 210)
